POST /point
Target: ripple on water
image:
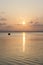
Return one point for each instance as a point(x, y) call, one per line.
point(18, 61)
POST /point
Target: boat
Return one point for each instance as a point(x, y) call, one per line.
point(8, 33)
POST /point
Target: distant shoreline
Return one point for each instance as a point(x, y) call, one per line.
point(18, 31)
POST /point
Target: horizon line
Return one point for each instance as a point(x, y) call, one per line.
point(21, 31)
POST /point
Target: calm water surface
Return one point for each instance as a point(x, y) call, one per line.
point(21, 49)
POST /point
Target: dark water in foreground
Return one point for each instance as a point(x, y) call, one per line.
point(21, 49)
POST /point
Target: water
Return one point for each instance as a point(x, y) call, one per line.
point(21, 49)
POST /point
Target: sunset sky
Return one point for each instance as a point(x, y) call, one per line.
point(21, 12)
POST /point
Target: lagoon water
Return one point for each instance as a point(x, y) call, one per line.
point(21, 48)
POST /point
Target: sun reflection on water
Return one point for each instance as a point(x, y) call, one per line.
point(23, 42)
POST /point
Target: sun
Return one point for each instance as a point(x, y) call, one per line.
point(23, 23)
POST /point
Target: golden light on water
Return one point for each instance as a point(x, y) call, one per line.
point(23, 42)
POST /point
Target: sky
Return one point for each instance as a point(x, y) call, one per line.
point(16, 11)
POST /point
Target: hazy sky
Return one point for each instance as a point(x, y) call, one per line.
point(17, 11)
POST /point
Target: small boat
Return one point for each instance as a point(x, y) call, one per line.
point(8, 33)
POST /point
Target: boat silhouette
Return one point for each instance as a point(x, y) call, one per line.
point(8, 33)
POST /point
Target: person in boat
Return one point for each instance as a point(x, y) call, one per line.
point(8, 33)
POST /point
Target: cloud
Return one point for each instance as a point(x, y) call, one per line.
point(31, 26)
point(2, 12)
point(36, 26)
point(1, 24)
point(3, 19)
point(3, 16)
point(6, 27)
